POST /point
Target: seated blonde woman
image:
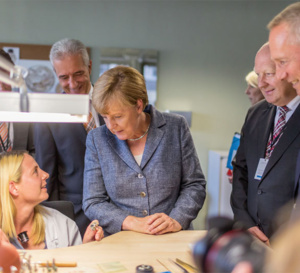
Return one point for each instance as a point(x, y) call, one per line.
point(22, 189)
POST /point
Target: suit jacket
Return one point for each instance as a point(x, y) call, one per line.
point(169, 179)
point(60, 149)
point(297, 180)
point(23, 137)
point(255, 202)
point(296, 202)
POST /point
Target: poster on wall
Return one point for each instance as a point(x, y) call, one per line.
point(41, 77)
point(14, 53)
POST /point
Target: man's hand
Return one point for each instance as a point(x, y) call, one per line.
point(255, 231)
point(93, 232)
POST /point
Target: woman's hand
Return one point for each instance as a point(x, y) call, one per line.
point(93, 232)
point(160, 223)
point(156, 224)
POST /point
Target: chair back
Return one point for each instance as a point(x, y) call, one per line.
point(63, 206)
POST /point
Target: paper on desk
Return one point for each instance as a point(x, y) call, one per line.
point(112, 267)
point(83, 270)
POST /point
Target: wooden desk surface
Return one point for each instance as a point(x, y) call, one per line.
point(127, 247)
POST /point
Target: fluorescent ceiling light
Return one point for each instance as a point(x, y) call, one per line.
point(44, 107)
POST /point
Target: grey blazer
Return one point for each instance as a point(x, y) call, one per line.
point(169, 179)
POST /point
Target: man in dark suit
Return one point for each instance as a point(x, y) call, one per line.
point(60, 147)
point(14, 136)
point(263, 176)
point(285, 50)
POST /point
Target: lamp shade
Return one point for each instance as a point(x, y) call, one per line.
point(44, 107)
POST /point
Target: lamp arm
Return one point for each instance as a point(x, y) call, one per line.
point(18, 74)
point(24, 101)
point(5, 64)
point(16, 79)
point(6, 79)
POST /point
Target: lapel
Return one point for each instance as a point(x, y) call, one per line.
point(82, 132)
point(154, 137)
point(122, 150)
point(264, 126)
point(297, 176)
point(155, 134)
point(291, 131)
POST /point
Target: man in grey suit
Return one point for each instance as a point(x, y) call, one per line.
point(263, 176)
point(60, 147)
point(14, 136)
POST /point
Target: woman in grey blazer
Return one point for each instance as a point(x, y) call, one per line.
point(141, 172)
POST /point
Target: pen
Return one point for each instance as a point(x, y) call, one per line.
point(194, 269)
point(58, 264)
point(181, 267)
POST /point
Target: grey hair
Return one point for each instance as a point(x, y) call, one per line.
point(291, 16)
point(68, 47)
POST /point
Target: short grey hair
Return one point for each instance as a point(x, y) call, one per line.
point(291, 16)
point(67, 47)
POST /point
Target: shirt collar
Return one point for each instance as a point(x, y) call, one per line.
point(91, 92)
point(293, 104)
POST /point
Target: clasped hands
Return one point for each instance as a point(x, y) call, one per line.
point(155, 224)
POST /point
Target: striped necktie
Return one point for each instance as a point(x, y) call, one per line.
point(4, 134)
point(277, 133)
point(90, 124)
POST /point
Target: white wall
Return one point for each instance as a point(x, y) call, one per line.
point(205, 50)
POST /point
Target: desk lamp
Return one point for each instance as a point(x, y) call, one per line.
point(37, 107)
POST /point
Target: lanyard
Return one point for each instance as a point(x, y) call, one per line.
point(7, 140)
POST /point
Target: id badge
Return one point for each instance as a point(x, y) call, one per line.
point(261, 168)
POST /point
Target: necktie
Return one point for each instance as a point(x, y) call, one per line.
point(90, 124)
point(4, 135)
point(274, 138)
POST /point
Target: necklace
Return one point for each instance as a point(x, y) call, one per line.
point(135, 139)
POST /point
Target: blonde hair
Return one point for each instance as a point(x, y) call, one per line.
point(121, 83)
point(11, 170)
point(291, 16)
point(252, 79)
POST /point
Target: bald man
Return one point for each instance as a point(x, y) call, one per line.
point(263, 174)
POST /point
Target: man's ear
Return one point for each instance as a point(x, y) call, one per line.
point(90, 67)
point(13, 189)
